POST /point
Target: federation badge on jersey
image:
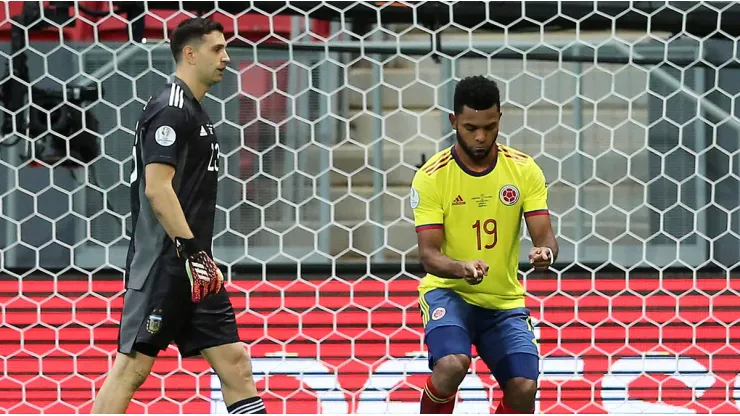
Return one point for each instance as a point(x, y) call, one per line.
point(509, 195)
point(165, 136)
point(154, 323)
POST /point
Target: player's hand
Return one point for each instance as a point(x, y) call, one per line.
point(205, 276)
point(474, 271)
point(540, 258)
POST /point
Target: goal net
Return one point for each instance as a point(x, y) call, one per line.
point(324, 114)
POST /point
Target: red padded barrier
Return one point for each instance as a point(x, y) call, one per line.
point(68, 329)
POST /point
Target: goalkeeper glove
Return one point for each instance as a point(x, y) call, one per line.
point(205, 276)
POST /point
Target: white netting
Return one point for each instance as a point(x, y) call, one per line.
point(319, 147)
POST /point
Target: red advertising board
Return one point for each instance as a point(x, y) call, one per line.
point(609, 346)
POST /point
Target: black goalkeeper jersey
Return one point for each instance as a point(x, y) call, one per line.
point(173, 129)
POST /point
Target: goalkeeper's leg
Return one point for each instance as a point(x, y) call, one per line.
point(212, 333)
point(234, 368)
point(151, 317)
point(128, 374)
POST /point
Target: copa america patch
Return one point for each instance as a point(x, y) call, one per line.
point(438, 313)
point(509, 195)
point(165, 136)
point(414, 198)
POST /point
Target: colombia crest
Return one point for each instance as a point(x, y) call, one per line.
point(509, 195)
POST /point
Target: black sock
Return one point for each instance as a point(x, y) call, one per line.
point(246, 406)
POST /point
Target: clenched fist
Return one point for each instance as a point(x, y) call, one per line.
point(540, 257)
point(474, 271)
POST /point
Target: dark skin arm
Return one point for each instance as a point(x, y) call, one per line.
point(540, 230)
point(435, 262)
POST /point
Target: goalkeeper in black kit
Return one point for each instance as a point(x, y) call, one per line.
point(174, 290)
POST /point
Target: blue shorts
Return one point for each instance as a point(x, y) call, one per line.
point(495, 333)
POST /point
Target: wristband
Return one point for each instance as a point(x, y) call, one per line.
point(185, 247)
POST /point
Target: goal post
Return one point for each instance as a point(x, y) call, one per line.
point(325, 113)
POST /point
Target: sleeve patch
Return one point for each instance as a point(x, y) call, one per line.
point(165, 136)
point(414, 198)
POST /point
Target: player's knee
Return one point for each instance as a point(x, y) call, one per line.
point(520, 394)
point(243, 367)
point(131, 371)
point(237, 365)
point(454, 367)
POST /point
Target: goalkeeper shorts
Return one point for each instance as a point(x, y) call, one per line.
point(162, 313)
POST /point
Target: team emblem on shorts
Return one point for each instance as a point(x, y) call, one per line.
point(509, 195)
point(438, 314)
point(154, 323)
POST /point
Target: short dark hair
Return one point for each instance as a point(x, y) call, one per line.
point(478, 93)
point(190, 30)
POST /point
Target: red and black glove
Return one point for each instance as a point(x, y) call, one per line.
point(205, 276)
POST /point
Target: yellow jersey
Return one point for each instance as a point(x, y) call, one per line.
point(481, 214)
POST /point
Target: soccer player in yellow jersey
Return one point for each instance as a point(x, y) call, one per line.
point(468, 201)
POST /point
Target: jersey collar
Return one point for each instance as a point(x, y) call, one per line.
point(184, 87)
point(468, 170)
